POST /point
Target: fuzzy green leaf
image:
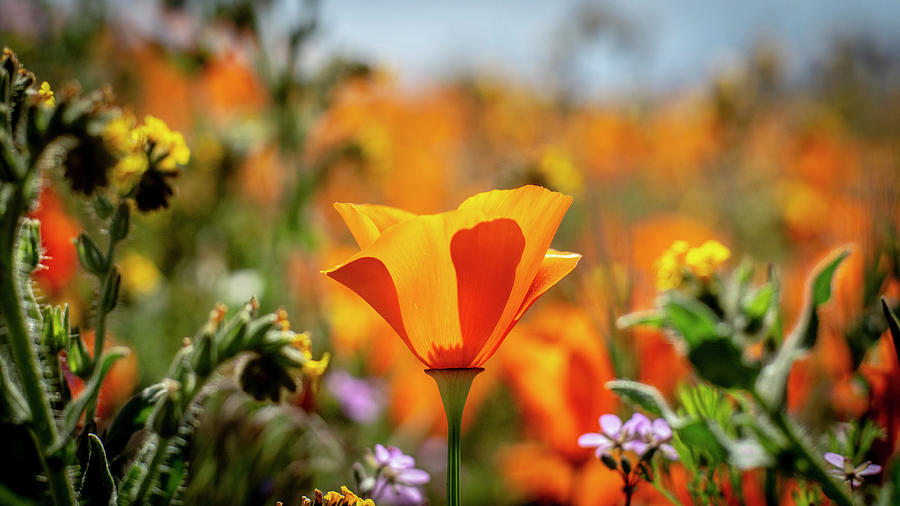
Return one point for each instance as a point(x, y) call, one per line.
point(651, 318)
point(645, 397)
point(894, 325)
point(97, 485)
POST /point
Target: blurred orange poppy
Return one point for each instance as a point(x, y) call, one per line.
point(453, 284)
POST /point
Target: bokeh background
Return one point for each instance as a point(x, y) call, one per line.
point(772, 127)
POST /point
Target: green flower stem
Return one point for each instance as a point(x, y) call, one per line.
point(100, 328)
point(42, 423)
point(660, 486)
point(454, 386)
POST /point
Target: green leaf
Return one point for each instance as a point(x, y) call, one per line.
point(757, 304)
point(97, 485)
point(721, 362)
point(645, 397)
point(692, 319)
point(650, 318)
point(821, 286)
point(74, 409)
point(894, 325)
point(697, 437)
point(772, 380)
point(131, 418)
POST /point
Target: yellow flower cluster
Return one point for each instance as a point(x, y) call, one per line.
point(47, 95)
point(343, 498)
point(702, 261)
point(140, 146)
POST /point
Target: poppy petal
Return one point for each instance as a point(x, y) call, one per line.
point(417, 264)
point(555, 266)
point(367, 221)
point(485, 258)
point(538, 211)
point(370, 279)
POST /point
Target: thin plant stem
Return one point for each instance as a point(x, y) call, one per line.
point(658, 485)
point(453, 385)
point(100, 328)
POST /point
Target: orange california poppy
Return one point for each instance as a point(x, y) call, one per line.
point(453, 284)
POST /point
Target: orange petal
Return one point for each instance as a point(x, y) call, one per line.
point(367, 221)
point(416, 256)
point(370, 279)
point(538, 211)
point(555, 266)
point(485, 258)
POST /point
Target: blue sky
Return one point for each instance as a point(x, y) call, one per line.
point(684, 41)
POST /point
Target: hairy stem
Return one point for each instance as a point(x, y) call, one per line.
point(42, 424)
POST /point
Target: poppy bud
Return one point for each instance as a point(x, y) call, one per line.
point(89, 255)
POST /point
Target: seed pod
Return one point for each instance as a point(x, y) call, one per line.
point(166, 416)
point(78, 358)
point(89, 255)
point(30, 244)
point(609, 461)
point(121, 221)
point(202, 359)
point(626, 465)
point(103, 206)
point(111, 291)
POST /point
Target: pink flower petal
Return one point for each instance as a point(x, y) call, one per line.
point(611, 424)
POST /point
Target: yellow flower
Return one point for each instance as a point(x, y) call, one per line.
point(343, 498)
point(46, 95)
point(705, 259)
point(557, 167)
point(128, 171)
point(119, 136)
point(139, 275)
point(315, 369)
point(669, 265)
point(167, 148)
point(702, 261)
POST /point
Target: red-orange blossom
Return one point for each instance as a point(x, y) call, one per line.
point(453, 284)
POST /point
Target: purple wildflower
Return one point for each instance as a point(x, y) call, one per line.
point(613, 435)
point(651, 435)
point(843, 467)
point(397, 477)
point(360, 399)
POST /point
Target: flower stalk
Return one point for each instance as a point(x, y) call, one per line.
point(454, 385)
